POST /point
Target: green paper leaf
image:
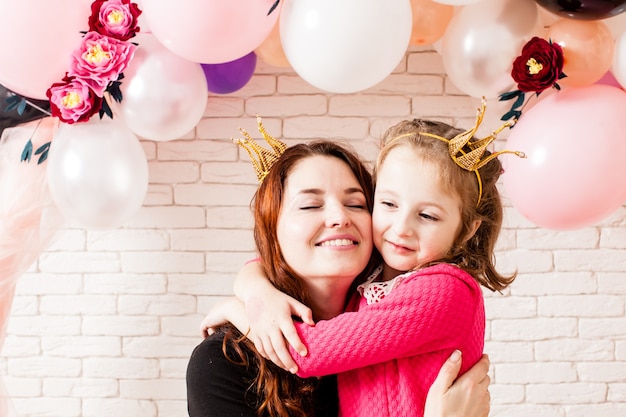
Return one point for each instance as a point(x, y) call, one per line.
point(274, 6)
point(43, 150)
point(115, 91)
point(511, 114)
point(21, 107)
point(510, 95)
point(519, 102)
point(105, 109)
point(27, 153)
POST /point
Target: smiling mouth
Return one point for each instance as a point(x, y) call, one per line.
point(338, 242)
point(399, 247)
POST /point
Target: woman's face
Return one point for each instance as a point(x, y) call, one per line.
point(324, 227)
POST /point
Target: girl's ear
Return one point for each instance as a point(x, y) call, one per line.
point(474, 227)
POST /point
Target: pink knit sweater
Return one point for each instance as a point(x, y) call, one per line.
point(388, 354)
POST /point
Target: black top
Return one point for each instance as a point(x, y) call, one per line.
point(217, 387)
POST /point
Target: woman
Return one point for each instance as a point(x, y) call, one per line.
point(315, 204)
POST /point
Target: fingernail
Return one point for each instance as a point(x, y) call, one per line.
point(456, 356)
point(293, 370)
point(302, 352)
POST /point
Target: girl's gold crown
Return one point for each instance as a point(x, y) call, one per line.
point(471, 158)
point(262, 158)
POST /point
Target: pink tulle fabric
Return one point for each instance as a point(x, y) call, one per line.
point(28, 219)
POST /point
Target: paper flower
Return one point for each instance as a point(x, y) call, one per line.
point(97, 65)
point(73, 101)
point(114, 18)
point(100, 60)
point(538, 68)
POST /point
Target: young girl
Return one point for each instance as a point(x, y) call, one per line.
point(437, 214)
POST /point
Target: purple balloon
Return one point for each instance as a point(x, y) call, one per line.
point(584, 9)
point(229, 76)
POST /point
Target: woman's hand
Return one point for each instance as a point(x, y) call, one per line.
point(466, 396)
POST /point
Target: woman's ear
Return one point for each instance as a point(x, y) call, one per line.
point(472, 230)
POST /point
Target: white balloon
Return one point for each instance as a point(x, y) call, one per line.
point(164, 95)
point(619, 60)
point(482, 41)
point(97, 173)
point(345, 46)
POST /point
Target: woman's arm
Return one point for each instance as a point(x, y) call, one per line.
point(433, 309)
point(467, 396)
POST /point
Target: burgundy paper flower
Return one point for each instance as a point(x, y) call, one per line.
point(539, 66)
point(100, 60)
point(72, 100)
point(114, 18)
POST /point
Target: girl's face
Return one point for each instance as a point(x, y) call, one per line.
point(415, 221)
point(324, 227)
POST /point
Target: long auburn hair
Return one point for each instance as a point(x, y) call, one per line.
point(476, 255)
point(280, 393)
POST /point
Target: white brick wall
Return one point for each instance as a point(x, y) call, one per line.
point(102, 325)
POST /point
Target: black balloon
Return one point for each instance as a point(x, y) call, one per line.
point(12, 118)
point(584, 9)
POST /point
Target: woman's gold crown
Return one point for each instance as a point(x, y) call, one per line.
point(262, 158)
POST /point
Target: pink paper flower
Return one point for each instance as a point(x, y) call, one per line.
point(114, 18)
point(72, 100)
point(100, 60)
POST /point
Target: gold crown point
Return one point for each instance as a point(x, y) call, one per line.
point(262, 158)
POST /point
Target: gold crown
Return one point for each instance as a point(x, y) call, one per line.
point(262, 158)
point(470, 159)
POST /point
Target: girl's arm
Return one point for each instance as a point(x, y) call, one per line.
point(269, 313)
point(229, 309)
point(430, 310)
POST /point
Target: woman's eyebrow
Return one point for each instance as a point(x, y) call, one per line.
point(318, 191)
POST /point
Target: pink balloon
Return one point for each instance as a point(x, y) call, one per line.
point(37, 40)
point(211, 31)
point(574, 172)
point(609, 79)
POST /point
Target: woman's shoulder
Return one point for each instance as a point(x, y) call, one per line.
point(217, 385)
point(210, 357)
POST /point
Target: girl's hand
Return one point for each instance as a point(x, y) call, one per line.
point(227, 310)
point(270, 315)
point(466, 396)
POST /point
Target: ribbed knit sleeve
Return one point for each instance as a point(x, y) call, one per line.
point(432, 309)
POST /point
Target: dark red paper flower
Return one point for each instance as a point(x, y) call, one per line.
point(539, 66)
point(114, 18)
point(72, 100)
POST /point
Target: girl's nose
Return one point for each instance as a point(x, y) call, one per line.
point(402, 225)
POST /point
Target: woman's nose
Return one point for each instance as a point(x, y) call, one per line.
point(337, 217)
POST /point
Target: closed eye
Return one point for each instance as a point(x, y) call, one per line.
point(388, 204)
point(428, 217)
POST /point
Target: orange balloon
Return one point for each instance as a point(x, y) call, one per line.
point(271, 50)
point(430, 20)
point(587, 49)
